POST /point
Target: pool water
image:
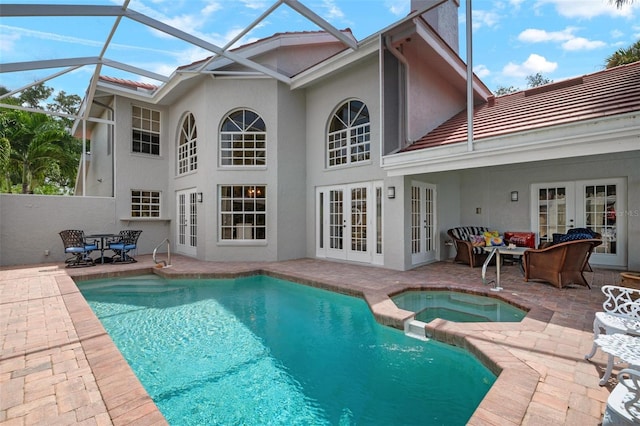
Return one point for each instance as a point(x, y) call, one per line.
point(457, 307)
point(259, 350)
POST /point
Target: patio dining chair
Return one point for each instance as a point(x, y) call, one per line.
point(76, 245)
point(126, 241)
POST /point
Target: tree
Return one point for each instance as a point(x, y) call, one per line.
point(533, 80)
point(624, 56)
point(620, 3)
point(537, 79)
point(37, 152)
point(33, 96)
point(502, 90)
point(40, 146)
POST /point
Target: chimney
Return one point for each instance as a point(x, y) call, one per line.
point(443, 19)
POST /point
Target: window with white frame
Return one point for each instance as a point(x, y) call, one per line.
point(145, 203)
point(145, 127)
point(187, 145)
point(348, 139)
point(243, 140)
point(243, 212)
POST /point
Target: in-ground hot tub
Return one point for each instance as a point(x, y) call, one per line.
point(457, 306)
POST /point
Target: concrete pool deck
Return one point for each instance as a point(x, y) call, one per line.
point(58, 365)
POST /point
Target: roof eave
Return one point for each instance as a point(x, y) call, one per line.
point(604, 135)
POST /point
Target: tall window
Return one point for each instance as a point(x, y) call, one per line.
point(187, 145)
point(243, 138)
point(145, 203)
point(349, 135)
point(243, 212)
point(145, 130)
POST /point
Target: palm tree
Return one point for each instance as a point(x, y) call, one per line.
point(624, 56)
point(38, 144)
point(620, 3)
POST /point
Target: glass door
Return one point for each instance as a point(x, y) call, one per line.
point(187, 222)
point(423, 223)
point(600, 204)
point(555, 209)
point(349, 222)
point(593, 204)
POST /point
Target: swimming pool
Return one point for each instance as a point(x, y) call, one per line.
point(260, 350)
point(457, 306)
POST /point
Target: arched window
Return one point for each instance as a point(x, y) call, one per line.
point(348, 139)
point(187, 145)
point(243, 140)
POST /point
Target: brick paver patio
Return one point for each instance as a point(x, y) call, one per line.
point(58, 365)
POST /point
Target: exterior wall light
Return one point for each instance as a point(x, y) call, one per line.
point(514, 195)
point(199, 197)
point(391, 192)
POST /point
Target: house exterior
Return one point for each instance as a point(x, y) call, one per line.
point(362, 155)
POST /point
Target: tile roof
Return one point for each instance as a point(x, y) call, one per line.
point(128, 83)
point(609, 92)
point(274, 36)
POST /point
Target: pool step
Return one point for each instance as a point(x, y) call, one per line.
point(416, 329)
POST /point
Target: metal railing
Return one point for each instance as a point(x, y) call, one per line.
point(155, 250)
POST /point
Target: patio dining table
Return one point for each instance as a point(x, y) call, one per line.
point(102, 246)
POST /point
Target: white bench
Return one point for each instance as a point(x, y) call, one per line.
point(621, 314)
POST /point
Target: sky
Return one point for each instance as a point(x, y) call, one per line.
point(512, 39)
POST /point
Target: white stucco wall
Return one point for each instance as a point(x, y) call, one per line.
point(358, 82)
point(29, 225)
point(283, 113)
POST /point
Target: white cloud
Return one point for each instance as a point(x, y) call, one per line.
point(481, 71)
point(483, 18)
point(616, 34)
point(332, 10)
point(7, 41)
point(580, 43)
point(532, 35)
point(534, 64)
point(397, 7)
point(570, 42)
point(255, 4)
point(591, 9)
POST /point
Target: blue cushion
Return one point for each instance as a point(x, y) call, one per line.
point(81, 249)
point(571, 237)
point(121, 246)
point(586, 231)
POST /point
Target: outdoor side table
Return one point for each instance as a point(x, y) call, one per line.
point(498, 251)
point(624, 346)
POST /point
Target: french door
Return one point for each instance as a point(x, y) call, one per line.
point(187, 222)
point(423, 223)
point(349, 222)
point(594, 204)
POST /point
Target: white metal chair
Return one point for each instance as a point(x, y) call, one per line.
point(620, 314)
point(623, 407)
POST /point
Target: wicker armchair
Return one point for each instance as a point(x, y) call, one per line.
point(560, 264)
point(465, 251)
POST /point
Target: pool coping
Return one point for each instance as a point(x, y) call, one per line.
point(505, 403)
point(521, 392)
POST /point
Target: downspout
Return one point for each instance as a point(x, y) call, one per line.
point(84, 156)
point(469, 80)
point(112, 142)
point(405, 95)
